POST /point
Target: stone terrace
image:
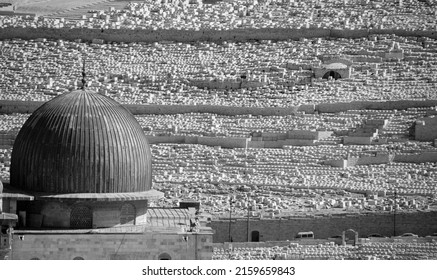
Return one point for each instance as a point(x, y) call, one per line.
point(240, 14)
point(275, 74)
point(389, 249)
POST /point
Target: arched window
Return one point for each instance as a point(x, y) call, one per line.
point(127, 214)
point(78, 258)
point(164, 256)
point(255, 236)
point(81, 217)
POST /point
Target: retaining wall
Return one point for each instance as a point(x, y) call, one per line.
point(7, 141)
point(225, 142)
point(426, 129)
point(384, 159)
point(417, 158)
point(12, 106)
point(357, 140)
point(373, 105)
point(26, 107)
point(139, 35)
point(231, 142)
point(421, 223)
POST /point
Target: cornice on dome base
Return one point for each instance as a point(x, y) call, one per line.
point(150, 195)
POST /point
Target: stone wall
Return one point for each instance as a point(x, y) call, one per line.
point(371, 105)
point(426, 129)
point(228, 142)
point(383, 159)
point(308, 134)
point(367, 58)
point(26, 107)
point(377, 159)
point(138, 35)
point(290, 138)
point(6, 139)
point(22, 107)
point(145, 246)
point(227, 84)
point(421, 223)
point(357, 140)
point(416, 158)
point(225, 142)
point(128, 35)
point(267, 244)
point(288, 142)
point(216, 109)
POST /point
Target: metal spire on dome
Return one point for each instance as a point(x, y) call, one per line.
point(83, 75)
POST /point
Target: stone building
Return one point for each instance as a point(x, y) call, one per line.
point(7, 222)
point(395, 52)
point(81, 185)
point(334, 68)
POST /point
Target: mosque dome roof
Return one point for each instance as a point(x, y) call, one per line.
point(81, 142)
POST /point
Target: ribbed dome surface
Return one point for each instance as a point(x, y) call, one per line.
point(81, 142)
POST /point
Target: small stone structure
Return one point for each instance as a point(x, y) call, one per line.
point(334, 68)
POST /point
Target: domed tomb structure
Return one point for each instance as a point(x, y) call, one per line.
point(335, 68)
point(82, 154)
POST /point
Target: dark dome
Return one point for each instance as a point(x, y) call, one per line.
point(81, 142)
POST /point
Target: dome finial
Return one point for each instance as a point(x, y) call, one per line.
point(83, 75)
